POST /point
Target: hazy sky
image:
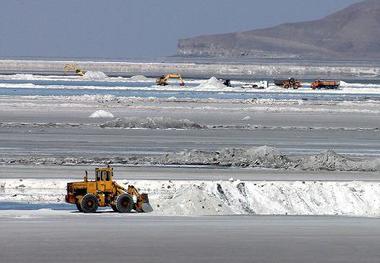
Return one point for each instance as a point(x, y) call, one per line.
point(137, 28)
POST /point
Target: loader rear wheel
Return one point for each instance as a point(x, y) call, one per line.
point(124, 203)
point(89, 203)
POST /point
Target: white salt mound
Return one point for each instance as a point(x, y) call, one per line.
point(152, 123)
point(101, 114)
point(212, 84)
point(193, 198)
point(95, 75)
point(139, 78)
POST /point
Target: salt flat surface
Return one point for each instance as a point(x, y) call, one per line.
point(99, 82)
point(144, 239)
point(210, 85)
point(60, 126)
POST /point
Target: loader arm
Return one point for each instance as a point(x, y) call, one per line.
point(119, 189)
point(142, 203)
point(73, 67)
point(163, 80)
point(175, 76)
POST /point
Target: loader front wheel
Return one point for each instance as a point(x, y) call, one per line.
point(79, 207)
point(124, 203)
point(114, 208)
point(89, 203)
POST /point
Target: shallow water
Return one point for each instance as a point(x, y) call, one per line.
point(188, 94)
point(34, 85)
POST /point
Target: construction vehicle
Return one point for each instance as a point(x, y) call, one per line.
point(163, 80)
point(288, 83)
point(227, 82)
point(325, 84)
point(74, 68)
point(104, 191)
point(256, 85)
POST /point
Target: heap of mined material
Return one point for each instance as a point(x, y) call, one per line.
point(225, 197)
point(262, 157)
point(95, 75)
point(152, 123)
point(101, 114)
point(211, 84)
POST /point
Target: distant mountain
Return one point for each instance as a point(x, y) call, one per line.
point(353, 32)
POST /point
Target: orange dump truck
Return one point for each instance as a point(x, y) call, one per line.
point(325, 84)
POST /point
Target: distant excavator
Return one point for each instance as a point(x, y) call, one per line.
point(163, 80)
point(74, 68)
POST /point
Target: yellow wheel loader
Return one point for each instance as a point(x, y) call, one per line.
point(103, 191)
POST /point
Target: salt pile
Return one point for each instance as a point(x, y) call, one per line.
point(269, 157)
point(139, 78)
point(95, 75)
point(94, 98)
point(212, 84)
point(190, 198)
point(331, 161)
point(152, 123)
point(101, 114)
point(264, 156)
point(260, 157)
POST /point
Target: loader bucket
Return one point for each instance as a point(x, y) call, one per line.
point(144, 204)
point(146, 208)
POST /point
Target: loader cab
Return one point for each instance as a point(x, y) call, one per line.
point(104, 174)
point(103, 179)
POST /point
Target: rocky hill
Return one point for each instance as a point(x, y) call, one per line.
point(353, 32)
